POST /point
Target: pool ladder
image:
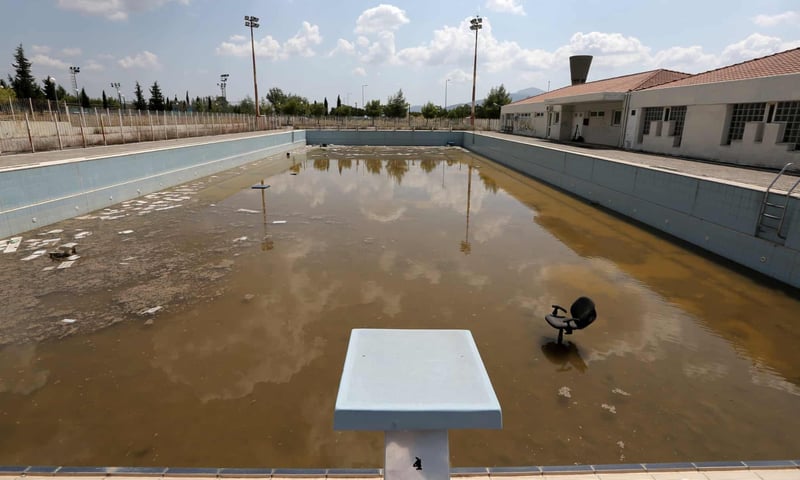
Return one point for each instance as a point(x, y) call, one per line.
point(773, 213)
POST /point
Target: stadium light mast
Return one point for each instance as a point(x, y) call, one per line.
point(475, 24)
point(252, 22)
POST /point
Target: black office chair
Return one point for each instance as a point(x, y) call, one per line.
point(583, 314)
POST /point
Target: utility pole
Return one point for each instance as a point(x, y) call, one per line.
point(475, 24)
point(119, 95)
point(252, 22)
point(74, 71)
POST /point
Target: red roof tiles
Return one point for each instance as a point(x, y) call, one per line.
point(782, 63)
point(625, 83)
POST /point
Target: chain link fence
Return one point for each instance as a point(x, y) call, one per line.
point(40, 125)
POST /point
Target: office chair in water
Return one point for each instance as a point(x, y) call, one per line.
point(583, 314)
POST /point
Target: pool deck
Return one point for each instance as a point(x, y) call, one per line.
point(757, 178)
point(713, 474)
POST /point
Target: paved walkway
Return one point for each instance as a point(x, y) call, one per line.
point(756, 474)
point(729, 173)
point(75, 154)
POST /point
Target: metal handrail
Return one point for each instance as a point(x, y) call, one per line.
point(766, 198)
point(786, 205)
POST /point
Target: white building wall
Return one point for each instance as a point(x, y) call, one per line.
point(707, 121)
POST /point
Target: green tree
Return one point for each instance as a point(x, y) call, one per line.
point(23, 82)
point(373, 108)
point(326, 106)
point(295, 105)
point(156, 101)
point(459, 112)
point(338, 102)
point(6, 93)
point(429, 110)
point(277, 98)
point(247, 105)
point(188, 104)
point(49, 89)
point(498, 96)
point(105, 100)
point(316, 109)
point(140, 102)
point(85, 102)
point(396, 105)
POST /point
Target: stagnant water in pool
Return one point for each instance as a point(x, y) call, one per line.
point(689, 359)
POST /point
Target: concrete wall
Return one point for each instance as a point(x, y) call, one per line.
point(716, 216)
point(707, 119)
point(31, 197)
point(383, 137)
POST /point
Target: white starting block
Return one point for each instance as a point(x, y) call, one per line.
point(415, 385)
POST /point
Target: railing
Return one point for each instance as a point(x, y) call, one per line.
point(30, 126)
point(39, 125)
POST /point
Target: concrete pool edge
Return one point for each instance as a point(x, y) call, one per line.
point(634, 470)
point(38, 195)
point(716, 215)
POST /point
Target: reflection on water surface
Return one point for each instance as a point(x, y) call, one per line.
point(682, 363)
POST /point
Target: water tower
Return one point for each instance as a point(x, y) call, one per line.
point(579, 68)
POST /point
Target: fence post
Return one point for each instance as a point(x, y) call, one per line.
point(175, 117)
point(152, 131)
point(121, 130)
point(30, 102)
point(11, 104)
point(83, 134)
point(30, 137)
point(138, 124)
point(66, 110)
point(164, 116)
point(55, 122)
point(102, 125)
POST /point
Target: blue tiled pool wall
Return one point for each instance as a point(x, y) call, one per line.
point(52, 193)
point(716, 216)
point(376, 472)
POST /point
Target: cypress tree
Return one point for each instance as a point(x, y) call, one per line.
point(140, 103)
point(23, 82)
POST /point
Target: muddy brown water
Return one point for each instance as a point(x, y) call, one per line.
point(689, 359)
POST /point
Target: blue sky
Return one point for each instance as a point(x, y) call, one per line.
point(325, 48)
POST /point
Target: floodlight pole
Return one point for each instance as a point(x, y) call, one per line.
point(475, 24)
point(119, 95)
point(252, 22)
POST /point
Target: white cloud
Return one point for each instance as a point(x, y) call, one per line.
point(40, 49)
point(301, 43)
point(789, 17)
point(756, 45)
point(459, 76)
point(71, 52)
point(381, 19)
point(506, 6)
point(684, 59)
point(268, 47)
point(609, 49)
point(44, 60)
point(94, 66)
point(115, 10)
point(344, 47)
point(145, 59)
point(359, 72)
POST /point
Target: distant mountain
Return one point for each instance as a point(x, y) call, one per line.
point(519, 95)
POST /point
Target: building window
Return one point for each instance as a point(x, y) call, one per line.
point(651, 114)
point(743, 113)
point(789, 112)
point(597, 114)
point(678, 115)
point(616, 117)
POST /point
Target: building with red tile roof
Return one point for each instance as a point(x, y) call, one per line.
point(747, 113)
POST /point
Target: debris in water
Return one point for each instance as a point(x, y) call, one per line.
point(620, 391)
point(279, 222)
point(47, 269)
point(57, 230)
point(68, 320)
point(565, 392)
point(610, 408)
point(125, 232)
point(152, 310)
point(621, 444)
point(248, 297)
point(81, 235)
point(149, 322)
point(66, 264)
point(13, 245)
point(247, 210)
point(240, 239)
point(73, 257)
